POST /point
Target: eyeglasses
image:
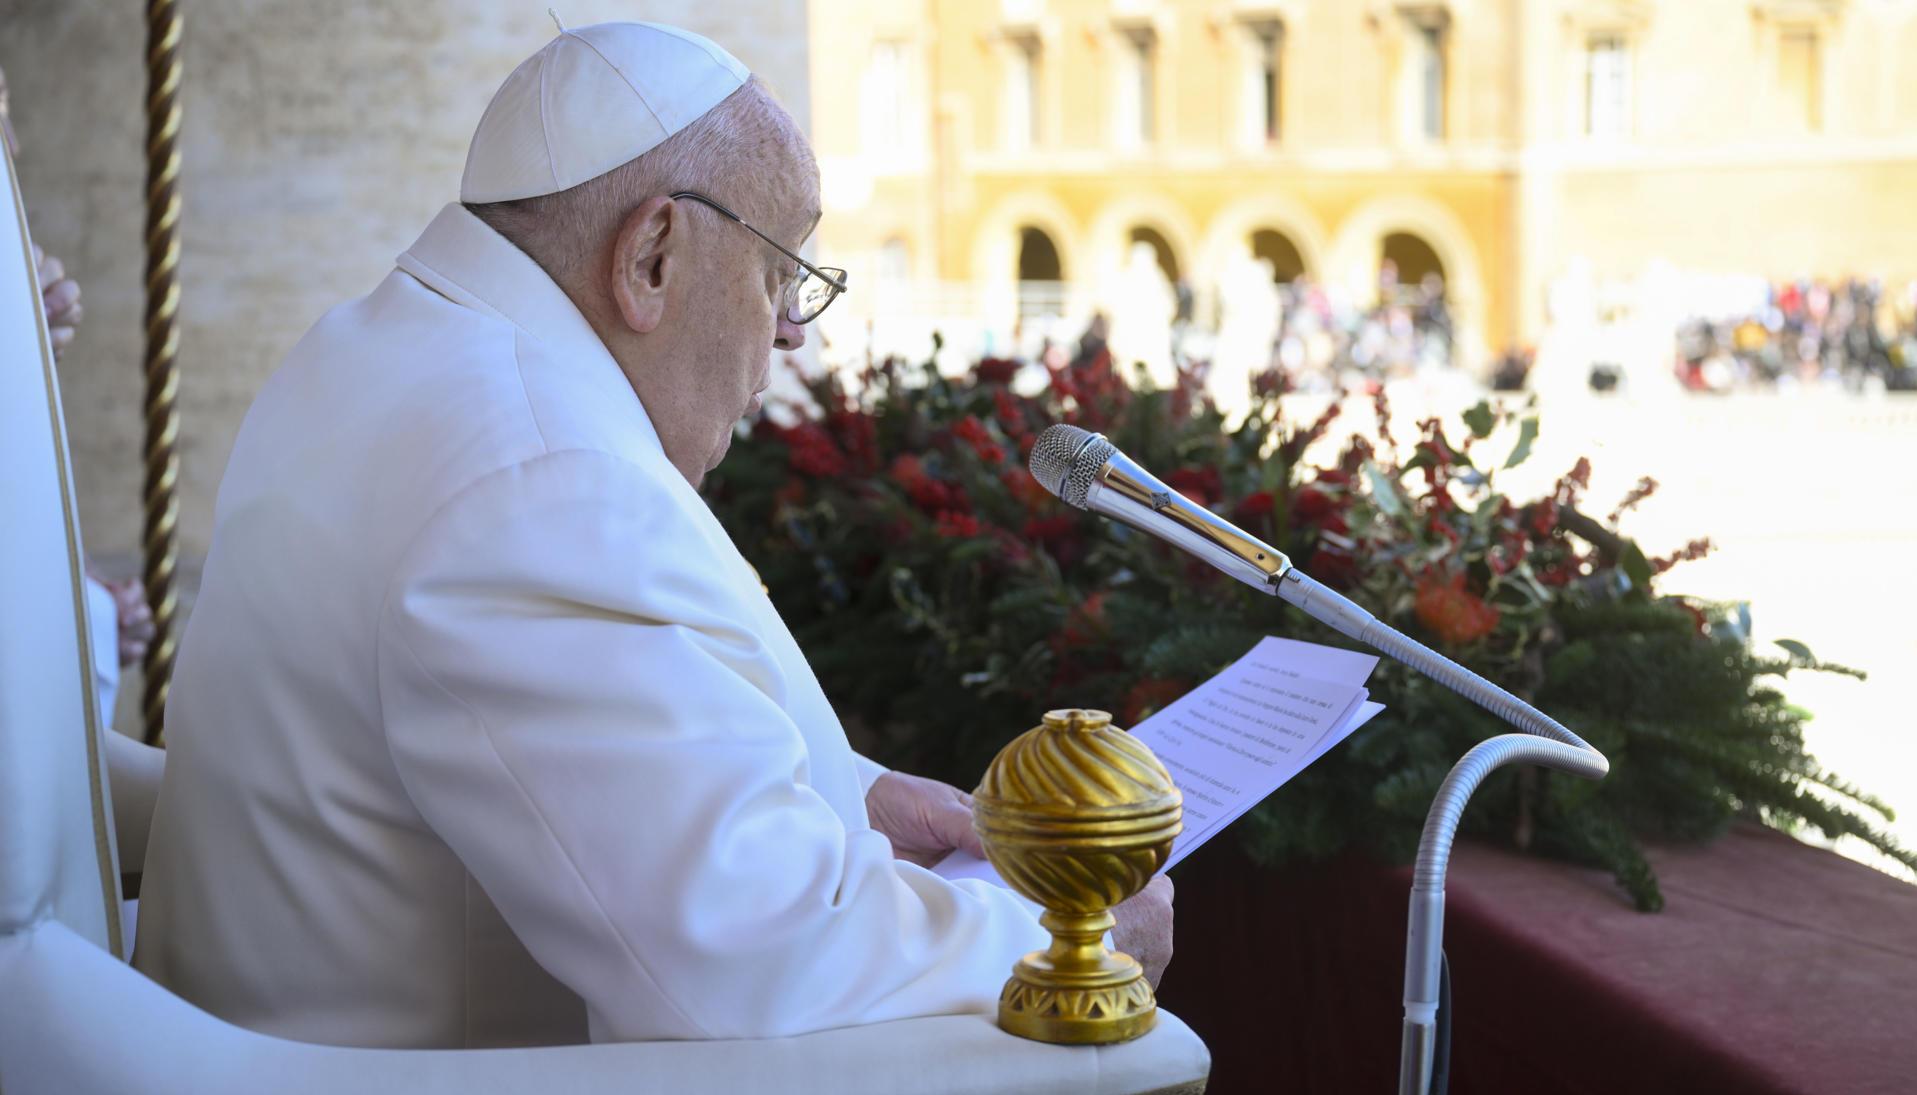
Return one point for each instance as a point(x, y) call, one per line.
point(806, 296)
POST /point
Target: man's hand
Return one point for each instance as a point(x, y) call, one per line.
point(923, 818)
point(135, 617)
point(1144, 927)
point(60, 297)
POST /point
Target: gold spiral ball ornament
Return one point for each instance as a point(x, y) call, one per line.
point(1077, 815)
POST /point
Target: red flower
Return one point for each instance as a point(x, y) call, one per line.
point(1505, 557)
point(908, 471)
point(1543, 518)
point(1646, 487)
point(929, 494)
point(810, 451)
point(1573, 483)
point(1254, 505)
point(1333, 566)
point(1011, 417)
point(997, 370)
point(1147, 696)
point(1332, 477)
point(859, 435)
point(1201, 485)
point(957, 525)
point(1434, 443)
point(1451, 612)
point(1310, 506)
point(1058, 535)
point(1696, 549)
point(973, 432)
point(1051, 529)
point(1295, 445)
point(1559, 573)
point(1357, 451)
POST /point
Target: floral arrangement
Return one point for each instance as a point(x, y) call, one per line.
point(945, 599)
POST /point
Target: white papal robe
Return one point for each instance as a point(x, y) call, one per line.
point(483, 732)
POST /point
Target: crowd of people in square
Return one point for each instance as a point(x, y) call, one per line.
point(1853, 334)
point(1324, 337)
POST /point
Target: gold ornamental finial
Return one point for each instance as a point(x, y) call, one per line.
point(1077, 815)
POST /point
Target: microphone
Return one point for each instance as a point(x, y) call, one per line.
point(1085, 470)
point(1088, 472)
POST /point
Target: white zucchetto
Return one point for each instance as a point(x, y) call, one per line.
point(593, 99)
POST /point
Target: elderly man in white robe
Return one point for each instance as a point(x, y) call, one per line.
point(482, 731)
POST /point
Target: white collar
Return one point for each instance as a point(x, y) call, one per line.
point(464, 260)
point(460, 257)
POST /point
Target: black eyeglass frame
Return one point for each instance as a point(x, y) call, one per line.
point(830, 275)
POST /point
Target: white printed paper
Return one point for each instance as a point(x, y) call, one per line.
point(1241, 735)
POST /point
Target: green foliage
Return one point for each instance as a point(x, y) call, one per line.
point(945, 601)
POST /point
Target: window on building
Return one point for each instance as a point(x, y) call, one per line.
point(887, 88)
point(1410, 257)
point(1287, 265)
point(1800, 79)
point(1038, 256)
point(1607, 86)
point(1138, 86)
point(1264, 86)
point(1430, 42)
point(1023, 99)
point(895, 261)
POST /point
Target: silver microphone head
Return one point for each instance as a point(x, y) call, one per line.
point(1066, 460)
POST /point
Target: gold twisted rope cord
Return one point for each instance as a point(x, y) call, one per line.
point(161, 543)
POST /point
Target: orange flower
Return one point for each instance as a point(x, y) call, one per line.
point(1451, 612)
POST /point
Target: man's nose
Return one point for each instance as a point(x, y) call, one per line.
point(788, 335)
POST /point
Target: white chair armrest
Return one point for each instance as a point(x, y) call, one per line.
point(74, 1021)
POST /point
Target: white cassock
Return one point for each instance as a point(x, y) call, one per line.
point(480, 717)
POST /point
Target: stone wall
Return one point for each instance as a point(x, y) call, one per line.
point(320, 138)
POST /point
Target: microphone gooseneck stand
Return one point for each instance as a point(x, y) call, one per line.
point(1545, 741)
point(1087, 471)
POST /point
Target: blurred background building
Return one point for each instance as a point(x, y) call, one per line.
point(1575, 175)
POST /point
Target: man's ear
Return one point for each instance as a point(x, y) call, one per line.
point(644, 261)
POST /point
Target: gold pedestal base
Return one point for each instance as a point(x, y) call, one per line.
point(1077, 992)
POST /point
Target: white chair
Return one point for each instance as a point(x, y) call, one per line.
point(75, 1019)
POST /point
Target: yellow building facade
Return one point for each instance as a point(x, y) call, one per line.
point(971, 146)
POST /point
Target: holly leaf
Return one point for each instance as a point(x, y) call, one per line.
point(1384, 492)
point(1527, 433)
point(1480, 418)
point(1635, 566)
